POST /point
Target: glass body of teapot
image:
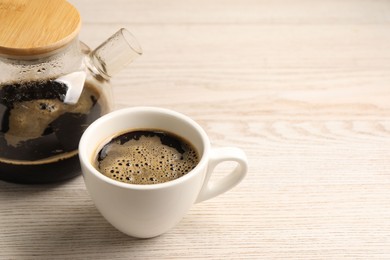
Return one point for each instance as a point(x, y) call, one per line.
point(48, 100)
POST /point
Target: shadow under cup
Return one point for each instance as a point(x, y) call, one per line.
point(145, 210)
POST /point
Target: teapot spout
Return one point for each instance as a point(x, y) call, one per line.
point(114, 54)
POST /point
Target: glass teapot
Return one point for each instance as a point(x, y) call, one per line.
point(51, 88)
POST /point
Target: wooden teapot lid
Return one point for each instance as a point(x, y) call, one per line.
point(31, 27)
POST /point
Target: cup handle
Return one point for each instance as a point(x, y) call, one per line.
point(217, 156)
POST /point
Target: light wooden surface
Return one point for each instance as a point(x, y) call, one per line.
point(302, 86)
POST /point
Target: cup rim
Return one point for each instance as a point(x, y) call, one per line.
point(86, 161)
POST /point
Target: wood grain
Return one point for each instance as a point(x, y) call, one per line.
point(302, 86)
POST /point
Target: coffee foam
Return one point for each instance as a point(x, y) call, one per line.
point(146, 161)
point(29, 119)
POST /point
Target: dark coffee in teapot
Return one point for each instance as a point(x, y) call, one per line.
point(39, 132)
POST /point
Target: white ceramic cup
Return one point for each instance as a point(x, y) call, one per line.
point(149, 210)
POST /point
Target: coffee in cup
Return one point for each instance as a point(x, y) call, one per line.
point(146, 156)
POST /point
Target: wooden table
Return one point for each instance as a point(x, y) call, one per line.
point(302, 86)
